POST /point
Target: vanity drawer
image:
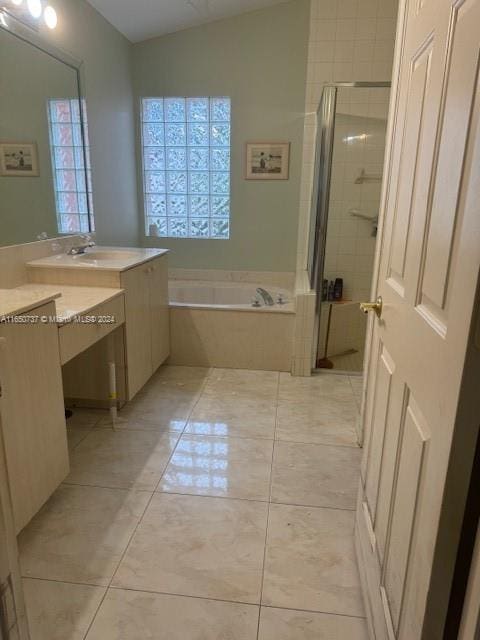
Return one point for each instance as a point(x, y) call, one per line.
point(76, 337)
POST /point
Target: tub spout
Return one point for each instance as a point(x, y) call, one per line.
point(267, 298)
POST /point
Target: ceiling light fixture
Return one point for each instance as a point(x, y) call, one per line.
point(50, 17)
point(35, 8)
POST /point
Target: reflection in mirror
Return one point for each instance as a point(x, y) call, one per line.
point(45, 173)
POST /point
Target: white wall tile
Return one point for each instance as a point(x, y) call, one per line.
point(347, 8)
point(349, 40)
point(346, 29)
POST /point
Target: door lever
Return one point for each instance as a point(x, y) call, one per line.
point(373, 306)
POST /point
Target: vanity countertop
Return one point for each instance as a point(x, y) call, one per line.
point(17, 301)
point(72, 301)
point(100, 258)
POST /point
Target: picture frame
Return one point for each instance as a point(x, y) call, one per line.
point(19, 159)
point(267, 161)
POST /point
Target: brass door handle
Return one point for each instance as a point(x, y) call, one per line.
point(373, 306)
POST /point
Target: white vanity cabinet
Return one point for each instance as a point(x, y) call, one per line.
point(142, 274)
point(33, 413)
point(147, 323)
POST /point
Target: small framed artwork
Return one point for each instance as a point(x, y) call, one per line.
point(268, 161)
point(18, 159)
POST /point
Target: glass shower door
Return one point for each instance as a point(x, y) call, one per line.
point(349, 214)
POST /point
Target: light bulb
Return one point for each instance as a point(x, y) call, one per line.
point(35, 8)
point(50, 17)
point(17, 2)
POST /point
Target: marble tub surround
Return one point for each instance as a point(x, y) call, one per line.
point(282, 279)
point(242, 339)
point(213, 323)
point(192, 528)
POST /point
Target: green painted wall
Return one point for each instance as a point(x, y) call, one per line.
point(259, 60)
point(107, 74)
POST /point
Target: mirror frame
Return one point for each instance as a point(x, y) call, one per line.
point(10, 24)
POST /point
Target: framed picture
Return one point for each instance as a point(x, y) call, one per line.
point(18, 159)
point(268, 161)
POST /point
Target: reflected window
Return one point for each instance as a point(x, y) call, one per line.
point(200, 466)
point(186, 167)
point(72, 174)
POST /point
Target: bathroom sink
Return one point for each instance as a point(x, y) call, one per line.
point(99, 258)
point(106, 255)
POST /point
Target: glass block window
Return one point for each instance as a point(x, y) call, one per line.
point(186, 167)
point(72, 173)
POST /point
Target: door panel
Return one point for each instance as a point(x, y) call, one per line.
point(407, 499)
point(385, 371)
point(389, 477)
point(456, 120)
point(412, 154)
point(428, 267)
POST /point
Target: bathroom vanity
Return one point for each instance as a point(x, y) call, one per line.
point(63, 319)
point(31, 400)
point(142, 274)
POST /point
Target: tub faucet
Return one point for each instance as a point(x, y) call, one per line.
point(81, 248)
point(267, 298)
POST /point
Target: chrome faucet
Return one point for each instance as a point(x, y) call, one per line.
point(267, 298)
point(80, 249)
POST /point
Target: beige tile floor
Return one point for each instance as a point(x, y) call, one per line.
point(222, 507)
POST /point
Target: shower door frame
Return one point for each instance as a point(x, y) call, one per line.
point(326, 120)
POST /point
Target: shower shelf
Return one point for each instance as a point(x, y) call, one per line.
point(365, 177)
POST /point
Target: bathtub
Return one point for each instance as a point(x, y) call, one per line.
point(227, 295)
point(214, 324)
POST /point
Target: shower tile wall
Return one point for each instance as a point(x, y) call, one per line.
point(350, 40)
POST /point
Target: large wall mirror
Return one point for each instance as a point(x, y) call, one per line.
point(45, 174)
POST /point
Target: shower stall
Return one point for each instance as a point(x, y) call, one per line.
point(351, 134)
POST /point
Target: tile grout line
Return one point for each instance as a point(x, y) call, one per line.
point(208, 496)
point(357, 402)
point(238, 602)
point(190, 596)
point(268, 507)
point(182, 432)
point(142, 516)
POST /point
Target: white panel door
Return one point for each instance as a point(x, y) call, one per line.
point(428, 268)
